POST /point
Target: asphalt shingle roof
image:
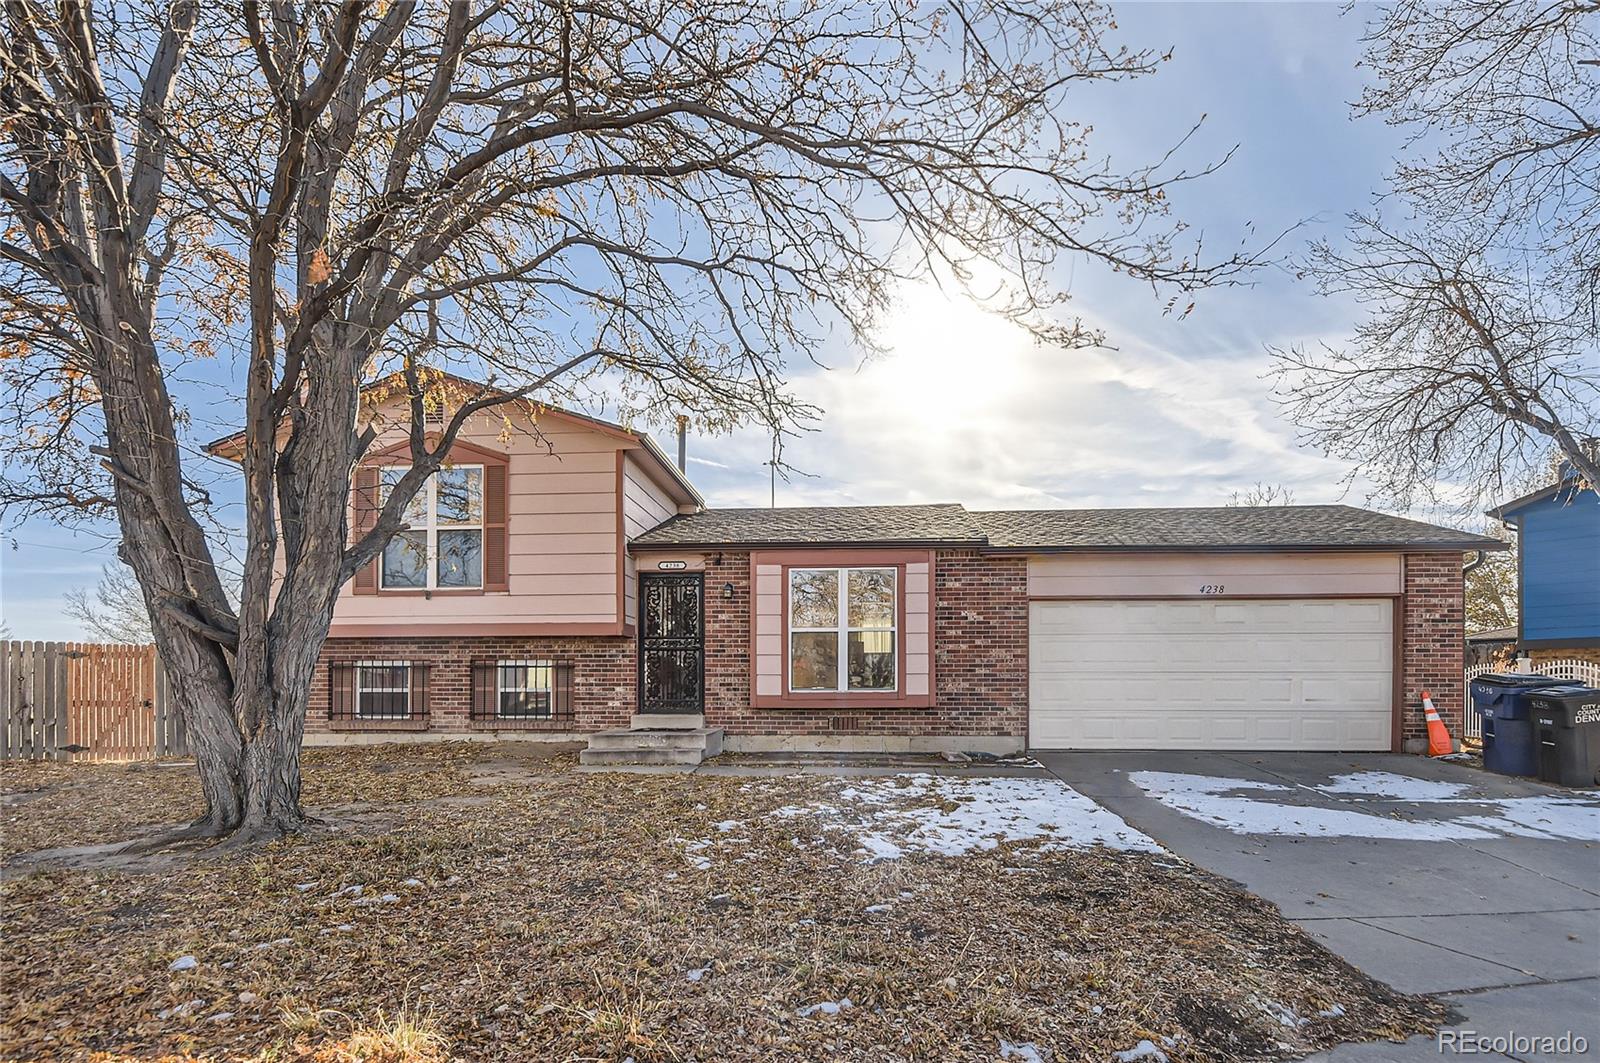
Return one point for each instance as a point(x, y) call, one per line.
point(1273, 527)
point(937, 525)
point(1223, 527)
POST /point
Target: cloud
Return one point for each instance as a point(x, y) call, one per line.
point(968, 408)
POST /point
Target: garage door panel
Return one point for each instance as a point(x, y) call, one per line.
point(1269, 674)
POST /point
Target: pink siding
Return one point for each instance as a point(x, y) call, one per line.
point(769, 630)
point(645, 504)
point(918, 624)
point(562, 549)
point(1178, 575)
point(770, 608)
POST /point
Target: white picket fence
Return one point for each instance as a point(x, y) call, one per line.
point(1586, 672)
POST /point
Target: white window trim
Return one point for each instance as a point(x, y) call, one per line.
point(841, 629)
point(430, 491)
point(549, 670)
point(360, 689)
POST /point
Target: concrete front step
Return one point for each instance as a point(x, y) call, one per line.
point(663, 721)
point(628, 746)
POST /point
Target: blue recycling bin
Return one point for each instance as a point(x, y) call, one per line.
point(1508, 742)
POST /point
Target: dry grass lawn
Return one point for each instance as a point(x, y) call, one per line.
point(511, 908)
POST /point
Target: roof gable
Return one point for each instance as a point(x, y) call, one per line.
point(382, 393)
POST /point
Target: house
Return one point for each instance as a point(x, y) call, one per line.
point(572, 581)
point(1487, 648)
point(1558, 569)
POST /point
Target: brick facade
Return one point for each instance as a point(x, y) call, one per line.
point(1591, 654)
point(1432, 650)
point(603, 680)
point(980, 646)
point(980, 642)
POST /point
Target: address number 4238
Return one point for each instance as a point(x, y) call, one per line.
point(1211, 588)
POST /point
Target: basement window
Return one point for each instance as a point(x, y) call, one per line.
point(525, 690)
point(383, 690)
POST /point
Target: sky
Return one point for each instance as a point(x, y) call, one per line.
point(966, 408)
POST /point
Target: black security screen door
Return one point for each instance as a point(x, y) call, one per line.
point(671, 644)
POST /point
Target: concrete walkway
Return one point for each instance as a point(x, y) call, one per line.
point(1433, 877)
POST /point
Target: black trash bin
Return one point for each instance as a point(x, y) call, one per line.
point(1566, 727)
point(1508, 746)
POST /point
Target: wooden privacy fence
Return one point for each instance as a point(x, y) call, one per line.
point(87, 701)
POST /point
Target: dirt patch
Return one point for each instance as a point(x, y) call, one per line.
point(564, 915)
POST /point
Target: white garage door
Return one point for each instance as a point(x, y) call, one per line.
point(1282, 674)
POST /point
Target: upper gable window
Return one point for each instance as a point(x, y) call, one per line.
point(842, 629)
point(443, 548)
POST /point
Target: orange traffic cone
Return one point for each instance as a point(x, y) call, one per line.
point(1439, 744)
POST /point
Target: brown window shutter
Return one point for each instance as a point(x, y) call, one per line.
point(364, 506)
point(419, 690)
point(484, 690)
point(561, 692)
point(495, 576)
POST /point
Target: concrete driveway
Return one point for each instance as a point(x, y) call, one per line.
point(1431, 876)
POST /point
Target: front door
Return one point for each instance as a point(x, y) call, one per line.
point(671, 643)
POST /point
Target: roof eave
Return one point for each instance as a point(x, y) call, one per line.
point(804, 544)
point(679, 478)
point(1508, 511)
point(1463, 546)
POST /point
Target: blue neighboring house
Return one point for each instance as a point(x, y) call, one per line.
point(1558, 562)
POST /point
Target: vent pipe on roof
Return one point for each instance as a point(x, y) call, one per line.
point(683, 443)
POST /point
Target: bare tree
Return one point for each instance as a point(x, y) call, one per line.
point(1479, 344)
point(1491, 586)
point(1262, 494)
point(114, 611)
point(1459, 372)
point(663, 203)
point(1501, 103)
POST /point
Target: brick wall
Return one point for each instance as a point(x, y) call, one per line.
point(1432, 652)
point(602, 677)
point(980, 658)
point(1569, 653)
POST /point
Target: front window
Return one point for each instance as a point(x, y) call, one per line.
point(842, 629)
point(524, 690)
point(383, 690)
point(443, 548)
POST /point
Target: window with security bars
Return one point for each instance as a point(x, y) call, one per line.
point(377, 691)
point(522, 691)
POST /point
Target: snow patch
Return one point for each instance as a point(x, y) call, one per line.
point(827, 1007)
point(729, 824)
point(178, 1011)
point(1284, 1016)
point(1027, 1051)
point(183, 963)
point(956, 816)
point(1389, 786)
point(1145, 1049)
point(698, 973)
point(1246, 806)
